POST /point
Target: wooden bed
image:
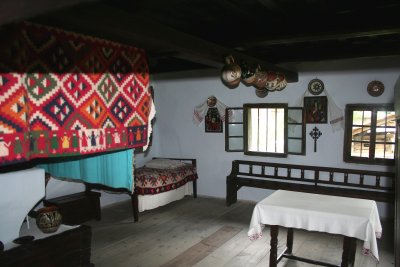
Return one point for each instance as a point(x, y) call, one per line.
point(158, 186)
point(374, 185)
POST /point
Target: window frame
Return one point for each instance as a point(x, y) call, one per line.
point(303, 131)
point(229, 135)
point(374, 108)
point(245, 130)
point(229, 113)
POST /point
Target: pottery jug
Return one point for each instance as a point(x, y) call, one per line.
point(261, 93)
point(248, 73)
point(231, 72)
point(48, 219)
point(260, 79)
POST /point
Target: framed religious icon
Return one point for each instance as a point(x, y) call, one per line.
point(316, 109)
point(212, 121)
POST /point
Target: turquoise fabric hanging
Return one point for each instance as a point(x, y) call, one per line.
point(111, 169)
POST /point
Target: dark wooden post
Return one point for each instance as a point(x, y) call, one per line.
point(289, 241)
point(273, 254)
point(135, 206)
point(349, 250)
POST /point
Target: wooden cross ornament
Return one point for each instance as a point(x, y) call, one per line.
point(315, 134)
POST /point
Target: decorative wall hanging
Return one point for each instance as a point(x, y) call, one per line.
point(335, 113)
point(213, 122)
point(375, 88)
point(316, 86)
point(315, 134)
point(232, 73)
point(202, 111)
point(65, 94)
point(316, 109)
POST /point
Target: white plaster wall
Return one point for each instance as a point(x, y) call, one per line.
point(177, 136)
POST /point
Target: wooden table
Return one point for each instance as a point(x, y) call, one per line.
point(350, 217)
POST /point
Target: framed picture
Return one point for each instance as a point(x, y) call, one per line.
point(316, 109)
point(213, 122)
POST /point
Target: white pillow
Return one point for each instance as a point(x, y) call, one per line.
point(164, 164)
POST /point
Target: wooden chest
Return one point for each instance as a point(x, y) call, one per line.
point(77, 208)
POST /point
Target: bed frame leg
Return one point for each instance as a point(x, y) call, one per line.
point(135, 207)
point(194, 188)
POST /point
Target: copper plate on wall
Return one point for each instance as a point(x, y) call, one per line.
point(316, 86)
point(375, 88)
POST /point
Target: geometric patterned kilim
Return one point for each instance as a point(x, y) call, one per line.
point(64, 94)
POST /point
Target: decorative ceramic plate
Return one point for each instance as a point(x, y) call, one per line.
point(316, 86)
point(375, 88)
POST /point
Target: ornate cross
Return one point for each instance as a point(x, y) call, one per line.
point(315, 134)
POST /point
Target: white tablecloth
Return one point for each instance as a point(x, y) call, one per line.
point(351, 217)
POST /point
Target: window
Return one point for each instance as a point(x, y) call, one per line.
point(265, 129)
point(296, 131)
point(234, 131)
point(370, 133)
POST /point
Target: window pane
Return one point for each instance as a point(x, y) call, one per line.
point(366, 134)
point(390, 135)
point(295, 115)
point(361, 134)
point(367, 117)
point(295, 145)
point(383, 151)
point(355, 149)
point(280, 131)
point(237, 115)
point(360, 149)
point(253, 129)
point(295, 131)
point(236, 143)
point(381, 117)
point(263, 130)
point(235, 129)
point(357, 117)
point(271, 141)
point(356, 133)
point(391, 119)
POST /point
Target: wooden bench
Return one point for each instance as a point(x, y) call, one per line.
point(374, 185)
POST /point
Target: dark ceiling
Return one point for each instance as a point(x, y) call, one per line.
point(191, 34)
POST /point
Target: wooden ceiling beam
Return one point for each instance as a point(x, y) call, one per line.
point(320, 37)
point(111, 23)
point(14, 10)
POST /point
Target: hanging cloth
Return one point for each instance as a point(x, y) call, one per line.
point(200, 111)
point(110, 169)
point(335, 114)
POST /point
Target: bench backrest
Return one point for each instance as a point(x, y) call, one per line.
point(365, 184)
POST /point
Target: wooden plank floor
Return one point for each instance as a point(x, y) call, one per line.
point(162, 236)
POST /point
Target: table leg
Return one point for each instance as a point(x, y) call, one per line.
point(349, 250)
point(353, 247)
point(273, 255)
point(289, 241)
